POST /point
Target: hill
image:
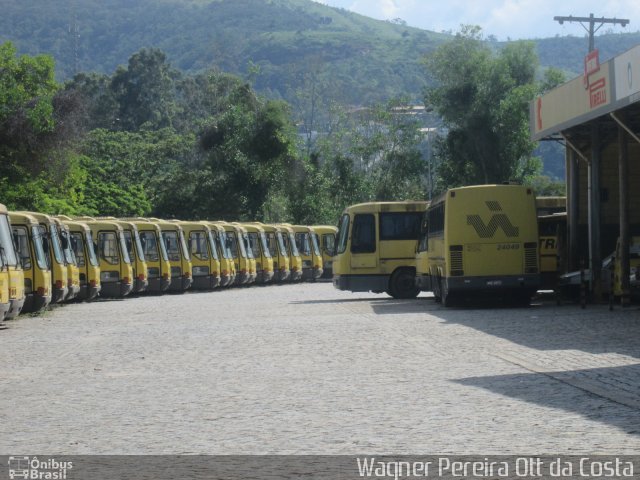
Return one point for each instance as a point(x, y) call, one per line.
point(284, 46)
point(276, 41)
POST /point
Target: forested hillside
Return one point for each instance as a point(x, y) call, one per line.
point(283, 46)
point(278, 43)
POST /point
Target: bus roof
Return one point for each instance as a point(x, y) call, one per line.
point(376, 207)
point(75, 225)
point(21, 217)
point(443, 195)
point(40, 217)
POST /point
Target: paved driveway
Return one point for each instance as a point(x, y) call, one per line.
point(309, 369)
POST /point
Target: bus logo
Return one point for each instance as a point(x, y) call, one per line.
point(498, 220)
point(18, 467)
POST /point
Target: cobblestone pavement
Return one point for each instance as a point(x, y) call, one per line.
point(309, 369)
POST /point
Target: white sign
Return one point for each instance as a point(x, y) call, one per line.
point(627, 73)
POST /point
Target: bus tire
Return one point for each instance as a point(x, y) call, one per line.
point(446, 296)
point(437, 283)
point(403, 284)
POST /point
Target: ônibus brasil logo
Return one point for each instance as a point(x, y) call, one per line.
point(36, 469)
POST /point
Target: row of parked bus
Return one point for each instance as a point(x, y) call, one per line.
point(469, 241)
point(53, 259)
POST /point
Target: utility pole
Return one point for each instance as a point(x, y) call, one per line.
point(591, 20)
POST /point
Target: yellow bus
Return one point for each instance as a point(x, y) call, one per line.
point(73, 272)
point(136, 254)
point(236, 244)
point(307, 243)
point(295, 259)
point(326, 237)
point(176, 245)
point(243, 236)
point(552, 245)
point(376, 248)
point(116, 270)
point(11, 265)
point(205, 260)
point(85, 255)
point(278, 250)
point(5, 305)
point(155, 255)
point(55, 256)
point(37, 274)
point(261, 252)
point(227, 265)
point(483, 240)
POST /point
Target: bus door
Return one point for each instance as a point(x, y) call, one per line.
point(363, 241)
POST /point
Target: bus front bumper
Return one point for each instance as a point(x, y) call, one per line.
point(180, 284)
point(205, 282)
point(34, 303)
point(264, 277)
point(361, 283)
point(115, 289)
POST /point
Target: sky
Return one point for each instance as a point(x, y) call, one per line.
point(505, 19)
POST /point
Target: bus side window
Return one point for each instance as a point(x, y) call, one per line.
point(363, 239)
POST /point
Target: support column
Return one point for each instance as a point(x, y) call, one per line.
point(623, 185)
point(573, 212)
point(595, 258)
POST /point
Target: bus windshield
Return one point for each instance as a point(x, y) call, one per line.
point(149, 245)
point(281, 245)
point(265, 248)
point(212, 245)
point(314, 242)
point(93, 259)
point(6, 242)
point(55, 241)
point(38, 248)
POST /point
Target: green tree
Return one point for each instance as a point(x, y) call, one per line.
point(99, 106)
point(249, 149)
point(483, 100)
point(38, 125)
point(145, 90)
point(135, 173)
point(371, 155)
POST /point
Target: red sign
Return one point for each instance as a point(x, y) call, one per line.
point(598, 93)
point(591, 63)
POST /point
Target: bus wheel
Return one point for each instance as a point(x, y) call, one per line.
point(447, 297)
point(437, 296)
point(403, 284)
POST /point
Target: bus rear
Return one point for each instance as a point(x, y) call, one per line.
point(488, 242)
